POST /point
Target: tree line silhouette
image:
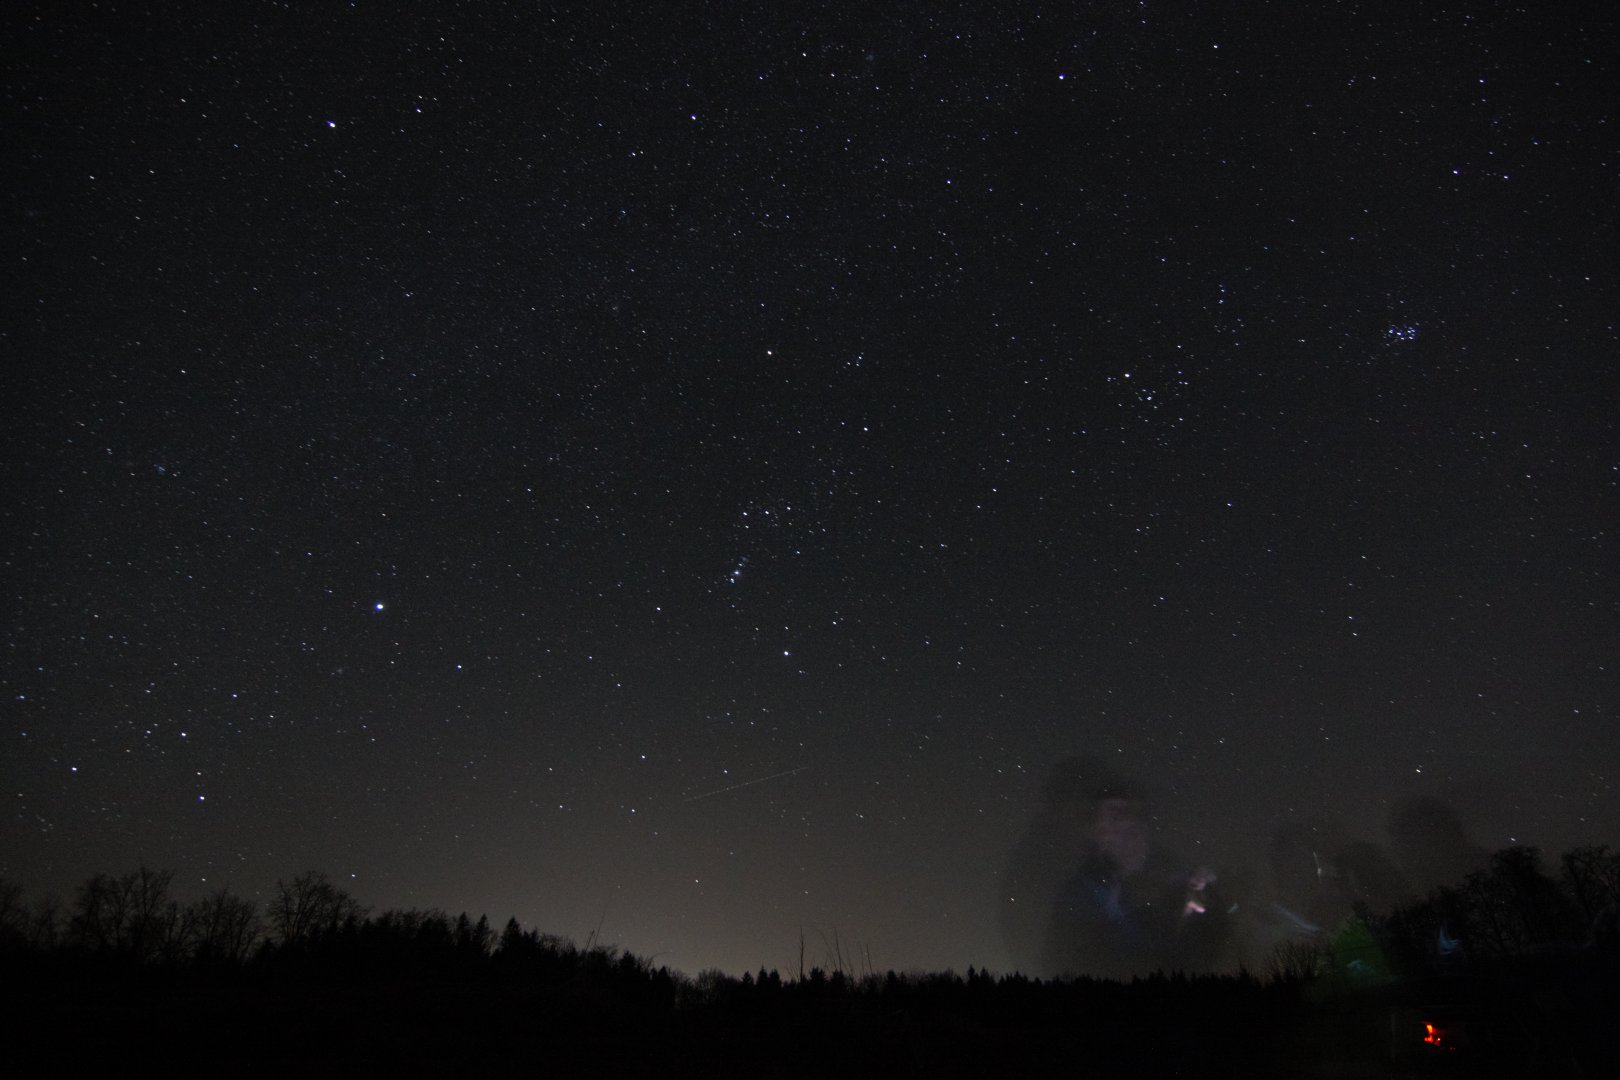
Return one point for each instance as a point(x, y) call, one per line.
point(1516, 964)
point(1510, 908)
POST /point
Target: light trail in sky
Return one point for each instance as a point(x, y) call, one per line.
point(744, 784)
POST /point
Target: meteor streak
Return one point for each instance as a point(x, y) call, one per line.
point(745, 783)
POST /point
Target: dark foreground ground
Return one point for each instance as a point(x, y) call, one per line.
point(1554, 1016)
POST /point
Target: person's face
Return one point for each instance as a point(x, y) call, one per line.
point(1120, 832)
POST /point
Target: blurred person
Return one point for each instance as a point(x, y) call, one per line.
point(1125, 907)
point(1042, 862)
point(1304, 901)
point(1431, 846)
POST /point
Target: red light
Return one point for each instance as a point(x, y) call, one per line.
point(1440, 1038)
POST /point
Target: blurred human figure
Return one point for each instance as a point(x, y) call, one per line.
point(1305, 902)
point(1321, 881)
point(1431, 846)
point(1125, 908)
point(1370, 877)
point(1042, 862)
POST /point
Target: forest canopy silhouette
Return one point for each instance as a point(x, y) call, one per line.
point(1515, 963)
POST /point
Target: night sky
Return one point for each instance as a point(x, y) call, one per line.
point(691, 472)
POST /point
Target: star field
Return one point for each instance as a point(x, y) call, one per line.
point(690, 472)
